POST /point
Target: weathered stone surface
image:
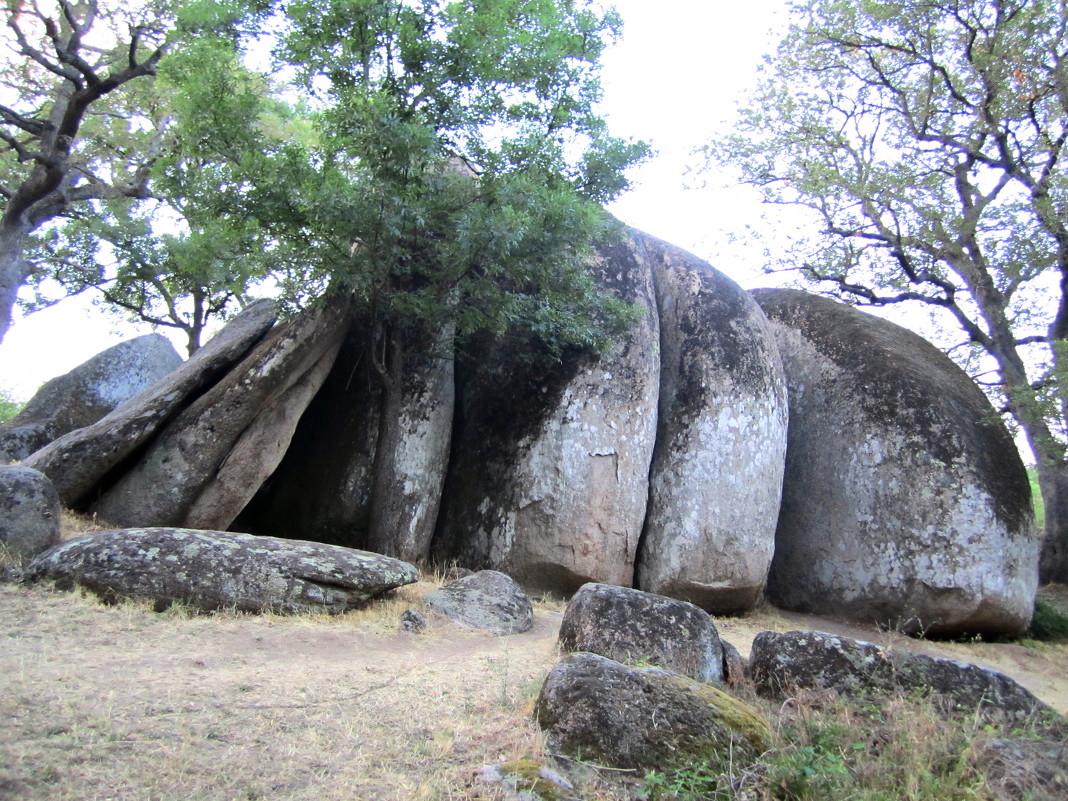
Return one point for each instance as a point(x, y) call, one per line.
point(905, 502)
point(324, 484)
point(549, 473)
point(221, 570)
point(258, 450)
point(19, 441)
point(81, 460)
point(88, 392)
point(488, 601)
point(595, 708)
point(781, 663)
point(29, 512)
point(717, 471)
point(185, 459)
point(634, 626)
point(526, 780)
point(733, 665)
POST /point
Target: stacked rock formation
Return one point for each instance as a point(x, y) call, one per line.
point(660, 465)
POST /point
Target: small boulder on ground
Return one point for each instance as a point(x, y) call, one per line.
point(781, 663)
point(488, 601)
point(29, 512)
point(221, 570)
point(526, 780)
point(87, 393)
point(634, 626)
point(644, 718)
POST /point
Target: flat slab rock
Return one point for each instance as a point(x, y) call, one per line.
point(221, 570)
point(488, 601)
point(779, 663)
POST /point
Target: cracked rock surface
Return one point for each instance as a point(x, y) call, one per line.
point(221, 570)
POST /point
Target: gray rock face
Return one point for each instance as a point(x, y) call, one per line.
point(29, 512)
point(324, 484)
point(903, 502)
point(221, 570)
point(634, 626)
point(717, 471)
point(643, 718)
point(781, 663)
point(488, 601)
point(525, 780)
point(222, 444)
point(258, 450)
point(88, 392)
point(549, 473)
point(79, 461)
point(19, 441)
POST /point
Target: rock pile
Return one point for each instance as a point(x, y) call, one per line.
point(722, 438)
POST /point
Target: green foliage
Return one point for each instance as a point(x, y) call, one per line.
point(1049, 623)
point(922, 142)
point(151, 246)
point(457, 167)
point(1036, 499)
point(699, 782)
point(9, 407)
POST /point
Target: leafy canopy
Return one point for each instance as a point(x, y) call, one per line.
point(925, 140)
point(456, 165)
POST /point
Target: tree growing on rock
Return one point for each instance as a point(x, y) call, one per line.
point(454, 180)
point(926, 139)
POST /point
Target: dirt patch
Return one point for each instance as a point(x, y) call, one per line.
point(119, 702)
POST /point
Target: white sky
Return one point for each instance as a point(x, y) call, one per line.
point(673, 80)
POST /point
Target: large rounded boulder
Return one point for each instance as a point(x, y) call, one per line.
point(549, 473)
point(905, 501)
point(87, 393)
point(717, 470)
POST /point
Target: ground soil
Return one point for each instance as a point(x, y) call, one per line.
point(120, 702)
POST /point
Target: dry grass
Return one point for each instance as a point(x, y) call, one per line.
point(118, 702)
point(122, 703)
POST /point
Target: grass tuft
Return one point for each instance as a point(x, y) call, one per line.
point(1049, 624)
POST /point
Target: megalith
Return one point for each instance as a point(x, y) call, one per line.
point(218, 447)
point(905, 501)
point(80, 461)
point(324, 486)
point(548, 479)
point(720, 446)
point(87, 393)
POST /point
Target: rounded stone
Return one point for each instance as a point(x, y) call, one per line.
point(29, 512)
point(905, 502)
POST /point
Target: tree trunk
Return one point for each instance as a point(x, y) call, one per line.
point(385, 512)
point(1053, 483)
point(12, 271)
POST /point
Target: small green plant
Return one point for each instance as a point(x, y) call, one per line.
point(693, 783)
point(1048, 623)
point(1036, 499)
